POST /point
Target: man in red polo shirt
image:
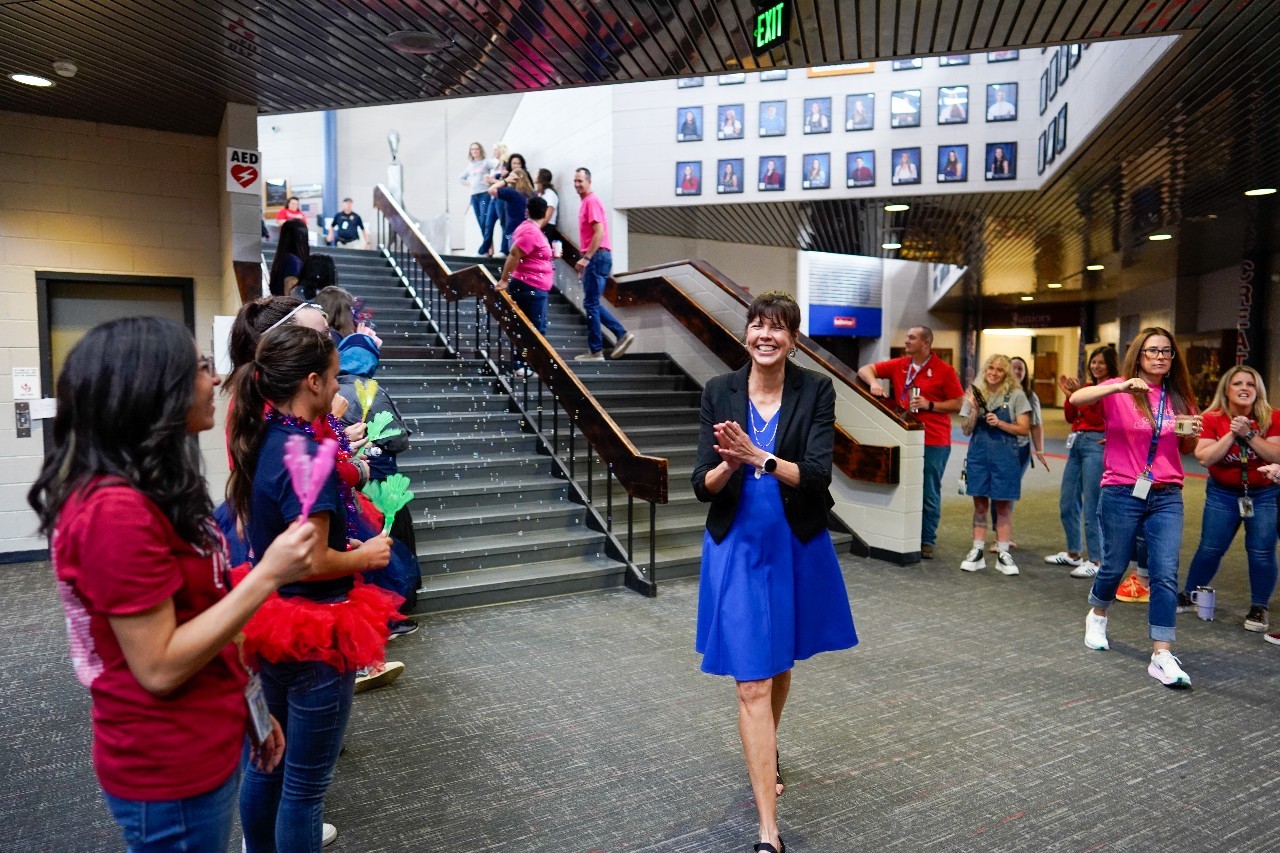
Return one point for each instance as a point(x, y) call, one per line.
point(929, 388)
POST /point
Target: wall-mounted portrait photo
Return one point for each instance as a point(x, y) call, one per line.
point(817, 115)
point(773, 118)
point(907, 64)
point(729, 176)
point(689, 177)
point(953, 104)
point(731, 79)
point(773, 174)
point(773, 74)
point(1002, 161)
point(904, 108)
point(1002, 56)
point(860, 169)
point(953, 163)
point(953, 59)
point(729, 121)
point(906, 166)
point(688, 82)
point(1060, 131)
point(860, 112)
point(689, 124)
point(1002, 102)
point(817, 172)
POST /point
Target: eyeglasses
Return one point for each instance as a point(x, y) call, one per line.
point(287, 317)
point(1158, 352)
point(207, 364)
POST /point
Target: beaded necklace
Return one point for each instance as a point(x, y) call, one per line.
point(345, 493)
point(759, 433)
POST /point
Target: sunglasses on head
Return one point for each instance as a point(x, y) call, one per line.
point(287, 317)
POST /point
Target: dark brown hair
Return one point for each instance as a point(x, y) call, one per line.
point(1108, 354)
point(778, 306)
point(251, 321)
point(340, 306)
point(1177, 383)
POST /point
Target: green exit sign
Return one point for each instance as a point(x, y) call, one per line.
point(772, 26)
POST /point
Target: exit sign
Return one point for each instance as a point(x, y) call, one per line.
point(772, 26)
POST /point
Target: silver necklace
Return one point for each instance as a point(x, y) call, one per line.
point(757, 433)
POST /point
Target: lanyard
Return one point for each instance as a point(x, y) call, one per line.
point(1155, 435)
point(912, 373)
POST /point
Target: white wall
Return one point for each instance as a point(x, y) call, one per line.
point(757, 268)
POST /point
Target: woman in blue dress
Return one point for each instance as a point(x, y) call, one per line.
point(771, 591)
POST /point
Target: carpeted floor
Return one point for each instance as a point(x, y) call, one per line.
point(971, 717)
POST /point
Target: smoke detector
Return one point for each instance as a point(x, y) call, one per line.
point(65, 68)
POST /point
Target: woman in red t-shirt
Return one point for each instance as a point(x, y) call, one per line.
point(1240, 435)
point(144, 579)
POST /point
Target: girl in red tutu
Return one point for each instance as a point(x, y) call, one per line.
point(308, 641)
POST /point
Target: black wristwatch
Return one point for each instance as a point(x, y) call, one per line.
point(770, 465)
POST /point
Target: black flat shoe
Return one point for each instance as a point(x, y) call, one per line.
point(766, 847)
point(777, 766)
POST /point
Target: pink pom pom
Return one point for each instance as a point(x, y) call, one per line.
point(298, 462)
point(321, 467)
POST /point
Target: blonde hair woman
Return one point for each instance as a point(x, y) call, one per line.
point(1239, 437)
point(497, 171)
point(995, 413)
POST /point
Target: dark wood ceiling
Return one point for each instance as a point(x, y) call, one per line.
point(1187, 144)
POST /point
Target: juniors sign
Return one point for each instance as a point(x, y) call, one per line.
point(244, 171)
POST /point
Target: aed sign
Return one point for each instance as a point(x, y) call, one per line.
point(244, 171)
point(772, 26)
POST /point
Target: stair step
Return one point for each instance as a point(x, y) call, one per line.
point(517, 583)
point(463, 555)
point(499, 521)
point(458, 469)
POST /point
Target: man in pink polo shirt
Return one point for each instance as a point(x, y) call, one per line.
point(594, 267)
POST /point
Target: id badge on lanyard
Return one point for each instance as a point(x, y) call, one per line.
point(1142, 486)
point(259, 714)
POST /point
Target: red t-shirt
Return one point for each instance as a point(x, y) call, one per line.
point(936, 380)
point(284, 214)
point(1086, 418)
point(115, 554)
point(1226, 472)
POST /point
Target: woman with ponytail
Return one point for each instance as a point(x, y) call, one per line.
point(309, 640)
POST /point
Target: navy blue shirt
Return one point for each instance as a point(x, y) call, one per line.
point(347, 227)
point(274, 506)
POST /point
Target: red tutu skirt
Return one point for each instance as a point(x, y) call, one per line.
point(350, 634)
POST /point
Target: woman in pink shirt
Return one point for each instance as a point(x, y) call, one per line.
point(1150, 419)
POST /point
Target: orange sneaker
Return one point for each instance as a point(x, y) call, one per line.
point(1134, 590)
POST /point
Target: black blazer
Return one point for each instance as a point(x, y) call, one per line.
point(806, 433)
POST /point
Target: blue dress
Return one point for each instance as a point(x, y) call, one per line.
point(766, 599)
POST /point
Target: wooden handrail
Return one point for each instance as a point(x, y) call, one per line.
point(644, 477)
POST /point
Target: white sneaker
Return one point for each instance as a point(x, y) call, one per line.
point(1164, 667)
point(328, 835)
point(1062, 558)
point(974, 560)
point(624, 343)
point(1005, 564)
point(1095, 632)
point(1087, 569)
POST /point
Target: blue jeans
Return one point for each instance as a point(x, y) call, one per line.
point(1159, 518)
point(935, 462)
point(1081, 487)
point(199, 823)
point(533, 302)
point(598, 270)
point(1221, 522)
point(491, 206)
point(283, 810)
point(480, 207)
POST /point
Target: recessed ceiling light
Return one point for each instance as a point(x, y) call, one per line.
point(891, 245)
point(1054, 285)
point(1095, 267)
point(1026, 298)
point(1158, 237)
point(897, 208)
point(31, 80)
point(1260, 191)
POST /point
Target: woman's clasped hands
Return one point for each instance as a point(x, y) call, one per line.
point(735, 446)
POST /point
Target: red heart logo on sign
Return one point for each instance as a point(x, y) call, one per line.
point(243, 175)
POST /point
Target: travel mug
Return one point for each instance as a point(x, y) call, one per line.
point(1204, 598)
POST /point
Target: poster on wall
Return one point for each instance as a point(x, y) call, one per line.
point(1002, 161)
point(904, 108)
point(773, 173)
point(1040, 146)
point(729, 121)
point(953, 163)
point(1064, 64)
point(688, 82)
point(1060, 131)
point(860, 112)
point(953, 59)
point(861, 169)
point(689, 177)
point(817, 115)
point(953, 104)
point(1002, 56)
point(1050, 135)
point(773, 118)
point(1044, 91)
point(731, 79)
point(817, 174)
point(1074, 53)
point(907, 64)
point(729, 176)
point(1002, 102)
point(773, 74)
point(689, 124)
point(906, 166)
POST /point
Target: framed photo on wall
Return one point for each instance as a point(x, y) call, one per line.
point(953, 59)
point(773, 118)
point(817, 115)
point(773, 173)
point(1074, 53)
point(953, 104)
point(688, 82)
point(1001, 163)
point(906, 166)
point(860, 169)
point(1002, 56)
point(1002, 102)
point(729, 176)
point(729, 121)
point(1060, 131)
point(1064, 63)
point(689, 124)
point(907, 64)
point(1044, 91)
point(904, 108)
point(1040, 154)
point(689, 177)
point(773, 74)
point(953, 163)
point(1050, 140)
point(1053, 76)
point(860, 112)
point(817, 172)
point(731, 79)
